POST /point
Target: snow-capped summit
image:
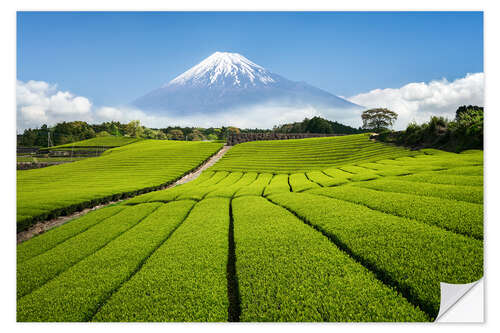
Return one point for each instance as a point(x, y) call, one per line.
point(227, 82)
point(224, 69)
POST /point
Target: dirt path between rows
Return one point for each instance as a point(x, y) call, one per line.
point(43, 226)
point(195, 174)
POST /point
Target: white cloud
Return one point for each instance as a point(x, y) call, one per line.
point(418, 101)
point(64, 103)
point(255, 116)
point(261, 116)
point(39, 102)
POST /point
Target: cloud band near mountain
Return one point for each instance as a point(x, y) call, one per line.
point(39, 102)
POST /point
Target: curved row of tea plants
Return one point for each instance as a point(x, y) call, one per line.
point(299, 155)
point(76, 291)
point(185, 279)
point(287, 271)
point(412, 256)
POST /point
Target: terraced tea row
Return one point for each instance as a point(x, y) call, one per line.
point(185, 279)
point(302, 155)
point(119, 172)
point(460, 217)
point(410, 194)
point(409, 255)
point(77, 291)
point(308, 278)
point(35, 272)
point(120, 274)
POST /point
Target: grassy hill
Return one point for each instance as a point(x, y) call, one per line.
point(119, 172)
point(333, 229)
point(306, 154)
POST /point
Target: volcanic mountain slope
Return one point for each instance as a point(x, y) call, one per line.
point(226, 81)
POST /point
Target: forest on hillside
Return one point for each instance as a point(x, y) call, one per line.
point(465, 131)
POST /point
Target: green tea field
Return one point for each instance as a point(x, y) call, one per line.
point(340, 229)
point(119, 172)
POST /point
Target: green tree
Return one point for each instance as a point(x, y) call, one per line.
point(113, 129)
point(318, 125)
point(160, 135)
point(315, 125)
point(134, 129)
point(233, 130)
point(28, 138)
point(153, 134)
point(212, 137)
point(67, 132)
point(378, 119)
point(102, 134)
point(148, 133)
point(218, 132)
point(176, 134)
point(469, 111)
point(195, 135)
point(42, 134)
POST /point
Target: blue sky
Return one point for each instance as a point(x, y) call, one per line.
point(113, 58)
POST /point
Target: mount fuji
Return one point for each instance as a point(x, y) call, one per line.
point(228, 83)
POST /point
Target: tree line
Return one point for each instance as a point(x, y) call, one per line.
point(464, 132)
point(67, 132)
point(317, 125)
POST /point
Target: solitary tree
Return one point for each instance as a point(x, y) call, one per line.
point(378, 119)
